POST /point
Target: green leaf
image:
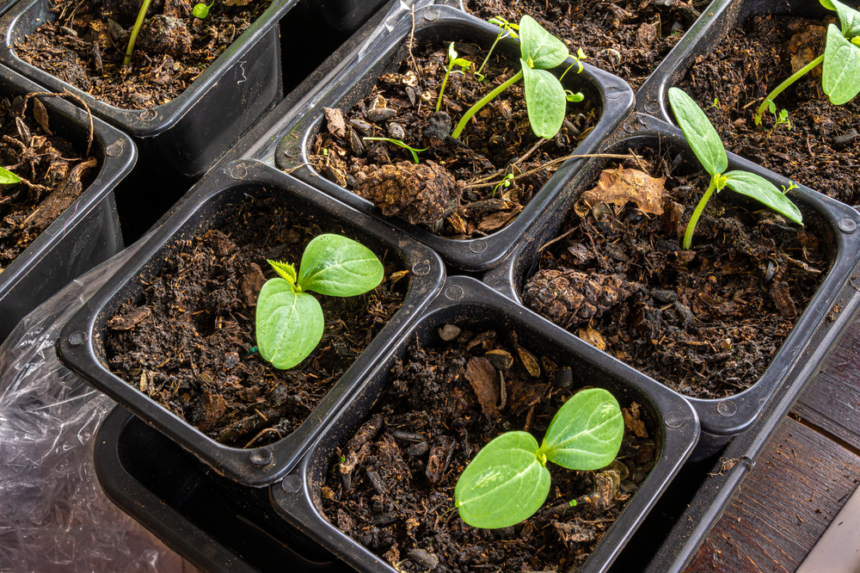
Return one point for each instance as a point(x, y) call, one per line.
point(849, 18)
point(764, 192)
point(463, 64)
point(289, 324)
point(286, 271)
point(200, 11)
point(841, 79)
point(538, 47)
point(545, 100)
point(586, 432)
point(700, 134)
point(8, 178)
point(336, 266)
point(505, 483)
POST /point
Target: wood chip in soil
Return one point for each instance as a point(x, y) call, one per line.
point(391, 486)
point(706, 322)
point(86, 46)
point(54, 167)
point(822, 148)
point(452, 191)
point(190, 335)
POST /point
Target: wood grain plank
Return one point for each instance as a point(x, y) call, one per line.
point(795, 490)
point(832, 400)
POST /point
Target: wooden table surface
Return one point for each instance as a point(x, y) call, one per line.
point(801, 481)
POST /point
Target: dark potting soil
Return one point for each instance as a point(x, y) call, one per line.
point(822, 149)
point(453, 185)
point(391, 486)
point(705, 322)
point(627, 38)
point(53, 171)
point(189, 341)
point(87, 45)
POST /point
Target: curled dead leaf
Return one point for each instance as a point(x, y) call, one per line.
point(620, 186)
point(485, 382)
point(592, 337)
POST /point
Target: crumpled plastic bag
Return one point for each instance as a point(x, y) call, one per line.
point(54, 517)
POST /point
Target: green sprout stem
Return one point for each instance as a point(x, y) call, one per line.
point(502, 30)
point(484, 101)
point(691, 226)
point(137, 26)
point(413, 150)
point(784, 85)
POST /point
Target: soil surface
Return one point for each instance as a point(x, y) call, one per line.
point(86, 46)
point(628, 38)
point(391, 487)
point(189, 342)
point(453, 189)
point(705, 322)
point(822, 149)
point(53, 171)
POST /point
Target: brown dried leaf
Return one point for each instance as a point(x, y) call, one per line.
point(485, 382)
point(592, 337)
point(618, 186)
point(41, 115)
point(632, 421)
point(458, 223)
point(499, 219)
point(336, 123)
point(252, 283)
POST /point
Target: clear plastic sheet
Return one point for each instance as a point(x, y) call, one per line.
point(54, 516)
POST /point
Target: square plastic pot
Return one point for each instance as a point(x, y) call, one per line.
point(81, 343)
point(835, 223)
point(87, 233)
point(192, 131)
point(721, 17)
point(612, 96)
point(465, 301)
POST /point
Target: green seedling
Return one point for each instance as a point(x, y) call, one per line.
point(135, 31)
point(8, 178)
point(413, 150)
point(577, 61)
point(506, 182)
point(780, 118)
point(791, 185)
point(716, 103)
point(841, 76)
point(505, 28)
point(546, 100)
point(706, 144)
point(508, 481)
point(453, 60)
point(201, 11)
point(289, 319)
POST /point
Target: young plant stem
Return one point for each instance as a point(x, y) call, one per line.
point(782, 87)
point(484, 101)
point(691, 226)
point(137, 26)
point(490, 53)
point(442, 90)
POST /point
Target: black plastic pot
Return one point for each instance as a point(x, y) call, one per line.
point(834, 222)
point(80, 345)
point(465, 301)
point(192, 131)
point(346, 15)
point(88, 233)
point(443, 23)
point(215, 524)
point(720, 18)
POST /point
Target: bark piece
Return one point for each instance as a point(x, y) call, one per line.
point(485, 382)
point(420, 194)
point(620, 186)
point(252, 284)
point(570, 298)
point(335, 121)
point(129, 320)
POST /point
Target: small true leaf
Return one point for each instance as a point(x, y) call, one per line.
point(763, 191)
point(289, 324)
point(586, 432)
point(537, 46)
point(8, 178)
point(841, 78)
point(336, 266)
point(545, 100)
point(200, 11)
point(700, 134)
point(504, 484)
point(286, 271)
